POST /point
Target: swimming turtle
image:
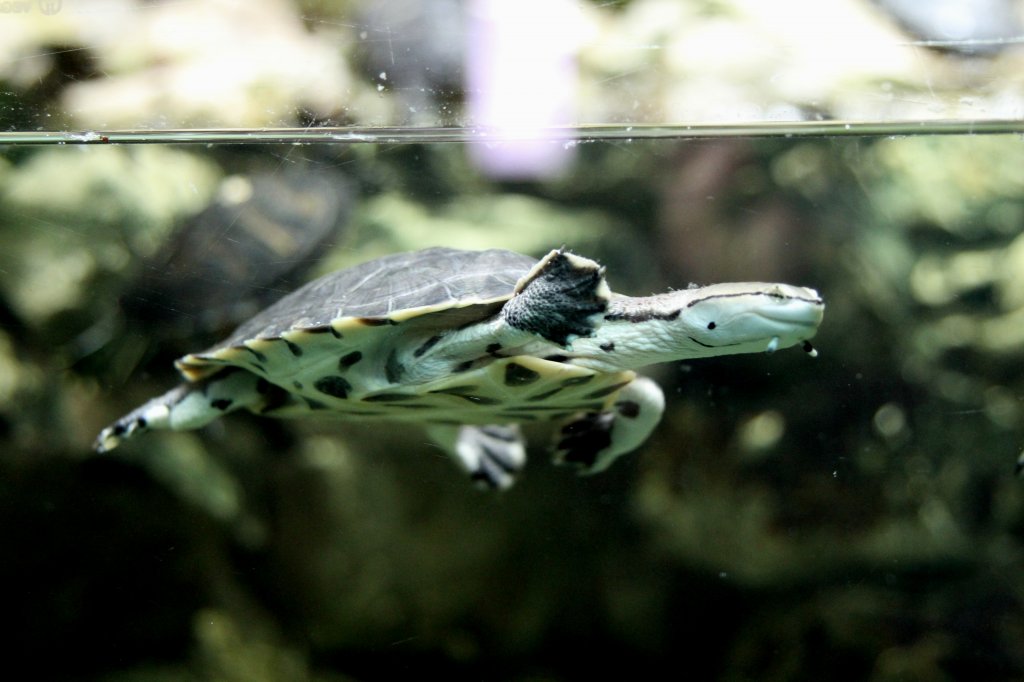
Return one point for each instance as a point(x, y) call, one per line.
point(472, 344)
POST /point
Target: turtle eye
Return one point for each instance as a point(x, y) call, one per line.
point(711, 325)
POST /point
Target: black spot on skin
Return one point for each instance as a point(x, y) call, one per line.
point(458, 390)
point(262, 386)
point(545, 395)
point(348, 360)
point(260, 357)
point(493, 349)
point(463, 366)
point(607, 390)
point(389, 397)
point(393, 369)
point(466, 393)
point(141, 423)
point(221, 404)
point(298, 385)
point(628, 408)
point(120, 429)
point(607, 347)
point(375, 321)
point(577, 381)
point(294, 348)
point(275, 397)
point(711, 325)
point(556, 358)
point(324, 330)
point(480, 400)
point(427, 345)
point(314, 404)
point(517, 375)
point(336, 387)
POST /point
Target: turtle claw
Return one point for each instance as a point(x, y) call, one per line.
point(582, 441)
point(492, 455)
point(592, 441)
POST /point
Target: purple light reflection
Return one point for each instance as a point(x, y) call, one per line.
point(520, 81)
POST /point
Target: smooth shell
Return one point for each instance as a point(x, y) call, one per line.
point(396, 287)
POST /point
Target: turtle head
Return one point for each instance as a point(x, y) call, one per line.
point(725, 319)
point(721, 319)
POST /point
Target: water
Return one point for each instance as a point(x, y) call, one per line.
point(788, 512)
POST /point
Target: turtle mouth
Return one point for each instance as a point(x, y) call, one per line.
point(795, 314)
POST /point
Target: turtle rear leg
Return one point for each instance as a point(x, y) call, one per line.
point(188, 406)
point(492, 455)
point(596, 439)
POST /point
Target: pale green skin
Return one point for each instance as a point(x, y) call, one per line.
point(438, 337)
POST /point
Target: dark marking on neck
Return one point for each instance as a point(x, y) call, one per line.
point(607, 347)
point(641, 316)
point(393, 369)
point(493, 349)
point(771, 294)
point(556, 358)
point(294, 348)
point(427, 345)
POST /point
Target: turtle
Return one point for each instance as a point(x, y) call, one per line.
point(474, 344)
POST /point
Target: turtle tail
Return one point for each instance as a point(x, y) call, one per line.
point(188, 406)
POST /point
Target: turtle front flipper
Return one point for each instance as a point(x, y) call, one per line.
point(492, 455)
point(562, 298)
point(189, 406)
point(596, 439)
